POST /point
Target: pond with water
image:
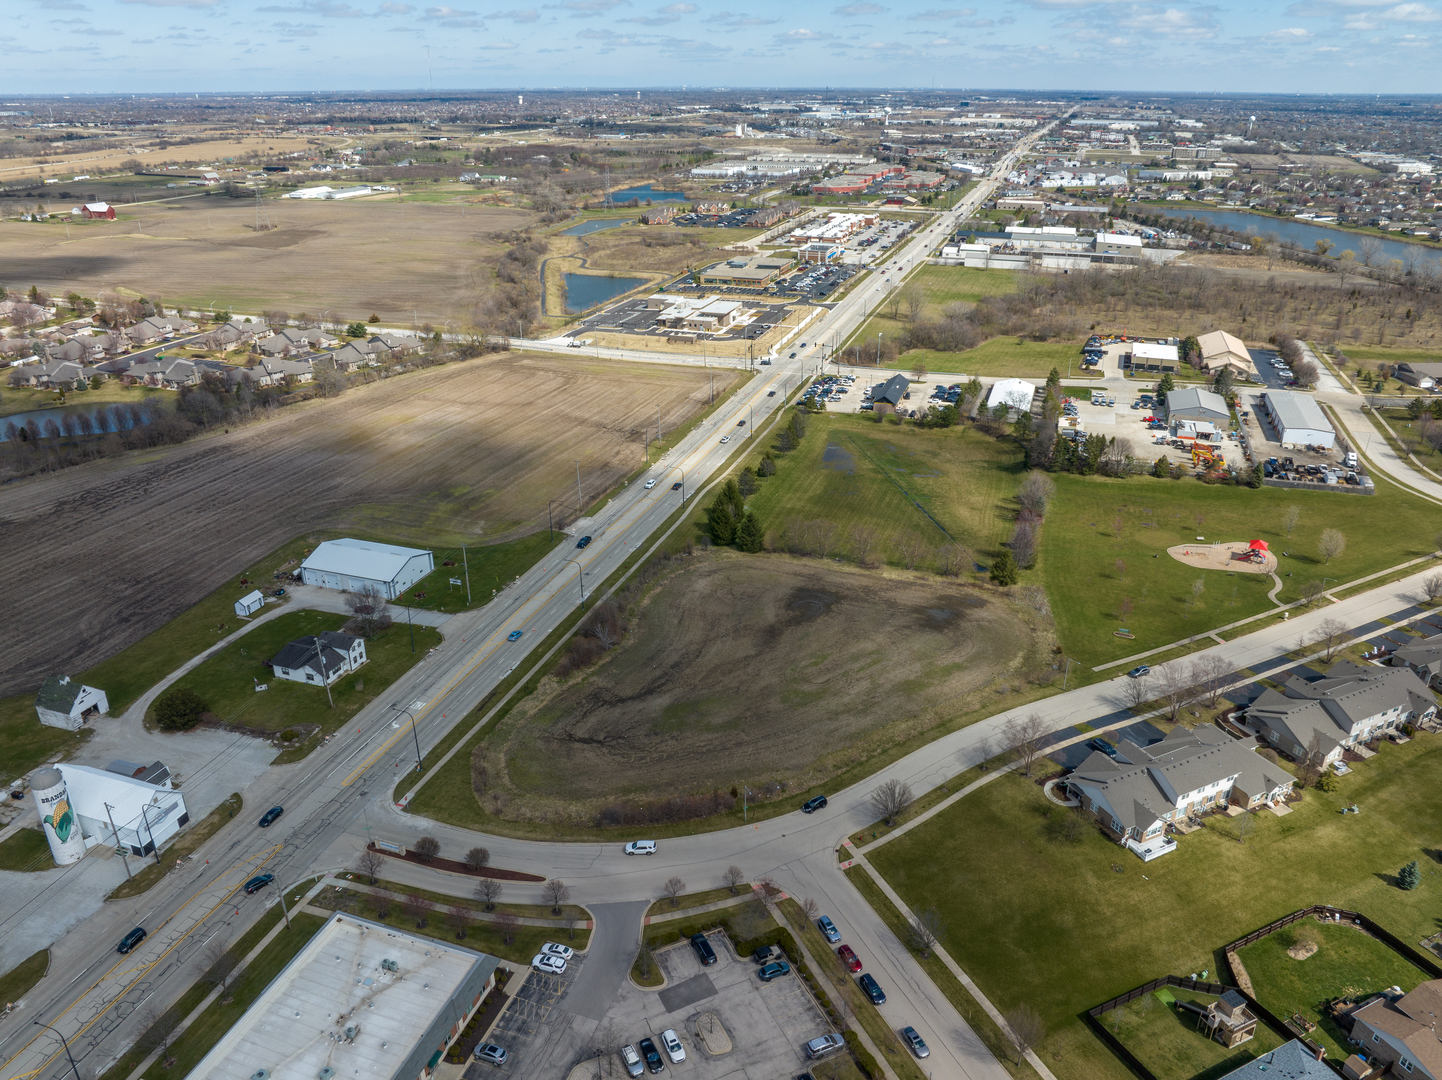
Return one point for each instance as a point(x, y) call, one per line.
point(595, 225)
point(1302, 234)
point(585, 291)
point(646, 191)
point(104, 418)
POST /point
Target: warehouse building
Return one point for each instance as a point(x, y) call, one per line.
point(360, 1001)
point(1220, 349)
point(1149, 356)
point(352, 565)
point(1194, 403)
point(1117, 244)
point(1299, 420)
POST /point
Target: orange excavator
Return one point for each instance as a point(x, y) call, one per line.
point(1204, 457)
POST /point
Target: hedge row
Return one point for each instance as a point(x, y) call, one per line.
point(865, 1060)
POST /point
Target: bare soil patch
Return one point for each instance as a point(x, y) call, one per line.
point(768, 670)
point(1230, 557)
point(101, 554)
point(411, 262)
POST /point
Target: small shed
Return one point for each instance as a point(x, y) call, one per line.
point(64, 703)
point(250, 603)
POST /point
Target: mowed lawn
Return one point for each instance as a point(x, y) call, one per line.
point(1081, 547)
point(1165, 1039)
point(857, 473)
point(1347, 963)
point(228, 679)
point(940, 285)
point(1037, 919)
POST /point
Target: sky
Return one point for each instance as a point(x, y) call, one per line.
point(1307, 46)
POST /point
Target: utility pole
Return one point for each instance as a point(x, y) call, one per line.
point(466, 563)
point(283, 909)
point(320, 656)
point(578, 489)
point(154, 847)
point(116, 832)
point(411, 626)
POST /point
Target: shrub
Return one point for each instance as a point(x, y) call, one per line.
point(289, 735)
point(864, 1059)
point(179, 709)
point(427, 848)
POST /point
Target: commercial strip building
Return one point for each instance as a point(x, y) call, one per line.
point(835, 228)
point(748, 272)
point(705, 314)
point(1299, 420)
point(353, 565)
point(360, 1001)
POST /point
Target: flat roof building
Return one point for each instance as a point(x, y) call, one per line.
point(1015, 394)
point(1150, 357)
point(352, 565)
point(1118, 243)
point(748, 272)
point(361, 1001)
point(1298, 419)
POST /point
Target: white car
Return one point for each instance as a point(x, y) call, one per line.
point(552, 965)
point(725, 438)
point(641, 847)
point(674, 1050)
point(564, 952)
point(650, 484)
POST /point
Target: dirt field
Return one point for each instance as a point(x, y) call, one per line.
point(101, 554)
point(754, 669)
point(208, 152)
point(423, 263)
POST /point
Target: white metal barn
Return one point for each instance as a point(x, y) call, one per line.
point(250, 603)
point(1299, 420)
point(351, 565)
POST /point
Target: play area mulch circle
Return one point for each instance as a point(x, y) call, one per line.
point(1237, 557)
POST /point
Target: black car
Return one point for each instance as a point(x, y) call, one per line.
point(583, 541)
point(1105, 747)
point(676, 486)
point(255, 884)
point(704, 952)
point(812, 805)
point(872, 989)
point(130, 940)
point(268, 818)
point(652, 1055)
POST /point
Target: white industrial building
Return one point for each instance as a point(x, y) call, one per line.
point(65, 703)
point(1150, 356)
point(1299, 420)
point(123, 811)
point(360, 1001)
point(352, 565)
point(1118, 244)
point(1015, 394)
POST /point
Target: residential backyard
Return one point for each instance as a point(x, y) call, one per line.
point(1164, 1037)
point(1063, 924)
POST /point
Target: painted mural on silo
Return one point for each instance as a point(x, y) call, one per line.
point(62, 827)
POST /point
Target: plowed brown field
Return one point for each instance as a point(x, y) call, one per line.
point(99, 555)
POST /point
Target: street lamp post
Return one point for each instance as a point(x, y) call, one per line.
point(414, 734)
point(65, 1044)
point(580, 580)
point(116, 832)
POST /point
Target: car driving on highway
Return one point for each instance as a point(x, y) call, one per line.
point(268, 818)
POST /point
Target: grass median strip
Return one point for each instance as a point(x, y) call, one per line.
point(19, 980)
point(185, 844)
point(25, 851)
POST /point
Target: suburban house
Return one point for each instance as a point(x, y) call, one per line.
point(158, 328)
point(1220, 349)
point(352, 355)
point(1424, 376)
point(1195, 403)
point(24, 313)
point(65, 703)
point(171, 372)
point(321, 659)
point(1402, 1032)
point(353, 565)
point(56, 375)
point(1350, 706)
point(272, 372)
point(1143, 789)
point(288, 342)
point(239, 333)
point(1290, 1061)
point(83, 348)
point(1424, 659)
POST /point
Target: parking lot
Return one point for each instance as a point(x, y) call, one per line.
point(816, 283)
point(1121, 421)
point(635, 318)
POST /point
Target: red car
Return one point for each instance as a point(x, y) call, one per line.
point(849, 958)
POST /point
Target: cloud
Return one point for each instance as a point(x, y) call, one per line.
point(942, 14)
point(736, 19)
point(61, 5)
point(586, 9)
point(390, 7)
point(454, 18)
point(516, 15)
point(326, 9)
point(175, 3)
point(296, 30)
point(859, 9)
point(1288, 35)
point(1410, 13)
point(801, 36)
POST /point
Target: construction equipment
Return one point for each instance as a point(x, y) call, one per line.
point(1204, 457)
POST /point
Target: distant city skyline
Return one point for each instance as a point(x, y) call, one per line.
point(134, 46)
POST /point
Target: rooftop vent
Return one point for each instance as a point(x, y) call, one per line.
point(260, 1074)
point(326, 1073)
point(351, 1031)
point(389, 965)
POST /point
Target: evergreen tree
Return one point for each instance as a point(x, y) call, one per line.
point(1003, 569)
point(1410, 876)
point(1022, 427)
point(1190, 347)
point(731, 492)
point(1165, 386)
point(1162, 469)
point(1053, 379)
point(720, 522)
point(749, 534)
point(1224, 383)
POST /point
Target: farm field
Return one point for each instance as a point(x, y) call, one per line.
point(1165, 1038)
point(859, 474)
point(227, 681)
point(1011, 887)
point(471, 452)
point(407, 263)
point(1096, 522)
point(759, 661)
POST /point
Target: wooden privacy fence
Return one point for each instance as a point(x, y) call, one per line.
point(1356, 918)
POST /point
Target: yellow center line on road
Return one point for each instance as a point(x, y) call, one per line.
point(143, 969)
point(558, 580)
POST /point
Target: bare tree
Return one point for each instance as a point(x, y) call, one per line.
point(157, 1028)
point(1036, 492)
point(459, 916)
point(1432, 588)
point(1312, 591)
point(1024, 1029)
point(1175, 688)
point(555, 893)
point(369, 611)
point(1332, 636)
point(673, 888)
point(1209, 674)
point(1024, 739)
point(891, 798)
point(863, 543)
point(1313, 761)
point(824, 534)
point(427, 848)
point(1137, 692)
point(488, 891)
point(811, 909)
point(733, 877)
point(505, 924)
point(913, 548)
point(478, 858)
point(370, 864)
point(954, 560)
point(1023, 544)
point(923, 930)
point(418, 907)
point(915, 300)
point(1331, 545)
point(219, 962)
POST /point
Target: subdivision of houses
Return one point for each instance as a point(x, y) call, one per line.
point(289, 342)
point(1423, 658)
point(321, 659)
point(1143, 789)
point(1351, 705)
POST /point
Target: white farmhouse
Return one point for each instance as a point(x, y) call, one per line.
point(319, 660)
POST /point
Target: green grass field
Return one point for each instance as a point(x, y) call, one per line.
point(1039, 919)
point(1003, 356)
point(18, 399)
point(1347, 963)
point(1392, 356)
point(1165, 1039)
point(492, 567)
point(25, 850)
point(227, 680)
point(1080, 548)
point(18, 981)
point(29, 743)
point(854, 472)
